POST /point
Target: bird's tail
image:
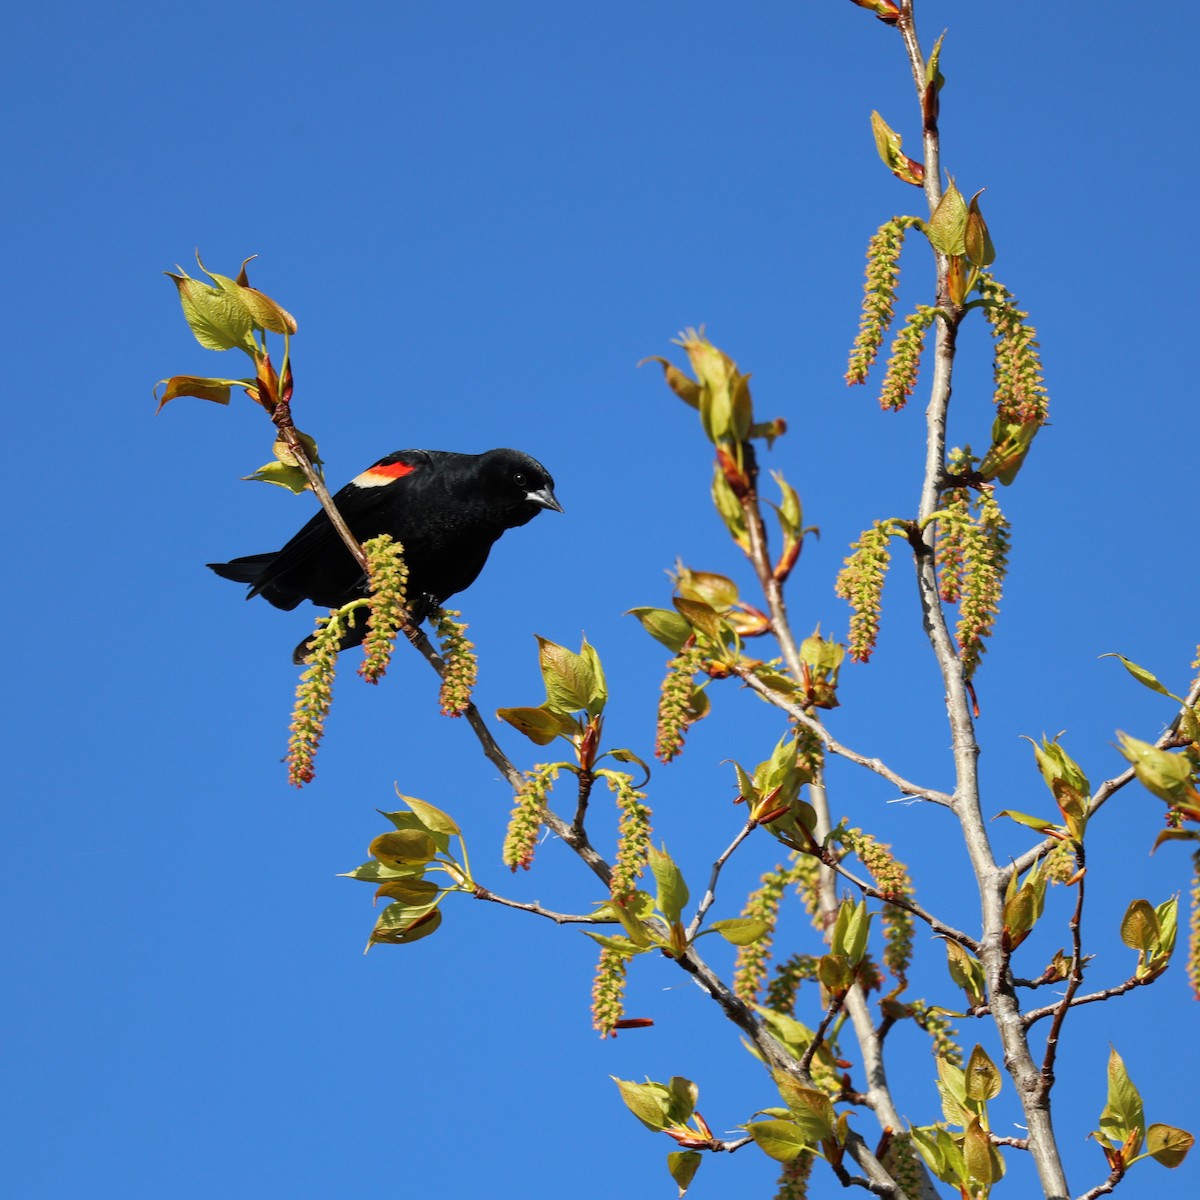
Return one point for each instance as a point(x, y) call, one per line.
point(254, 569)
point(243, 570)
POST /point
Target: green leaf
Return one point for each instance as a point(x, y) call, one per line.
point(571, 679)
point(404, 848)
point(888, 143)
point(432, 818)
point(1139, 926)
point(664, 626)
point(947, 227)
point(686, 388)
point(977, 241)
point(1060, 770)
point(703, 618)
point(982, 1077)
point(619, 945)
point(780, 1140)
point(1025, 819)
point(1144, 677)
point(539, 725)
point(598, 696)
point(1123, 1114)
point(982, 1162)
point(413, 892)
point(268, 314)
point(966, 971)
point(406, 819)
point(741, 931)
point(627, 756)
point(648, 1101)
point(1168, 1145)
point(398, 926)
point(200, 386)
point(218, 319)
point(683, 1165)
point(683, 1096)
point(282, 475)
point(729, 508)
point(717, 591)
point(1167, 775)
point(376, 872)
point(1168, 924)
point(810, 1110)
point(850, 931)
point(672, 890)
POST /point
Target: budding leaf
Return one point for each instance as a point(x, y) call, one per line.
point(1139, 926)
point(664, 626)
point(1168, 1145)
point(982, 1077)
point(218, 318)
point(1122, 1115)
point(432, 818)
point(741, 931)
point(947, 227)
point(1144, 677)
point(573, 681)
point(397, 926)
point(404, 847)
point(780, 1140)
point(539, 725)
point(648, 1101)
point(683, 1165)
point(672, 890)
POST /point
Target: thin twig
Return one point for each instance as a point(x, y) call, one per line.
point(939, 927)
point(1076, 977)
point(1103, 1189)
point(482, 893)
point(710, 894)
point(831, 1010)
point(586, 779)
point(1037, 1014)
point(797, 713)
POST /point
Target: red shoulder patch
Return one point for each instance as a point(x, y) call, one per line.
point(386, 473)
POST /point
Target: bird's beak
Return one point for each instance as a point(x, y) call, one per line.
point(544, 497)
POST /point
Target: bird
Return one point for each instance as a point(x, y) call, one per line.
point(446, 509)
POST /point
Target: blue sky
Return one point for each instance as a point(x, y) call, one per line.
point(483, 216)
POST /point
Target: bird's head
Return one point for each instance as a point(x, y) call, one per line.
point(519, 483)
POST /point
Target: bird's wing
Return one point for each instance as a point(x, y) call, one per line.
point(379, 487)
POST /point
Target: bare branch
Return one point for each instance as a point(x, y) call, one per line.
point(831, 1010)
point(1076, 977)
point(710, 894)
point(797, 713)
point(482, 893)
point(1036, 1014)
point(1103, 1189)
point(939, 927)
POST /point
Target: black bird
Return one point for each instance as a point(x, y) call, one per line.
point(445, 508)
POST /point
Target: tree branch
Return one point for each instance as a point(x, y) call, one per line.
point(797, 713)
point(482, 893)
point(1036, 1014)
point(1106, 790)
point(710, 894)
point(1076, 975)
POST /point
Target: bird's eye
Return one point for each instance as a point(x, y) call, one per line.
point(519, 479)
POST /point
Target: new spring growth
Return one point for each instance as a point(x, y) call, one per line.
point(461, 666)
point(387, 576)
point(229, 314)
